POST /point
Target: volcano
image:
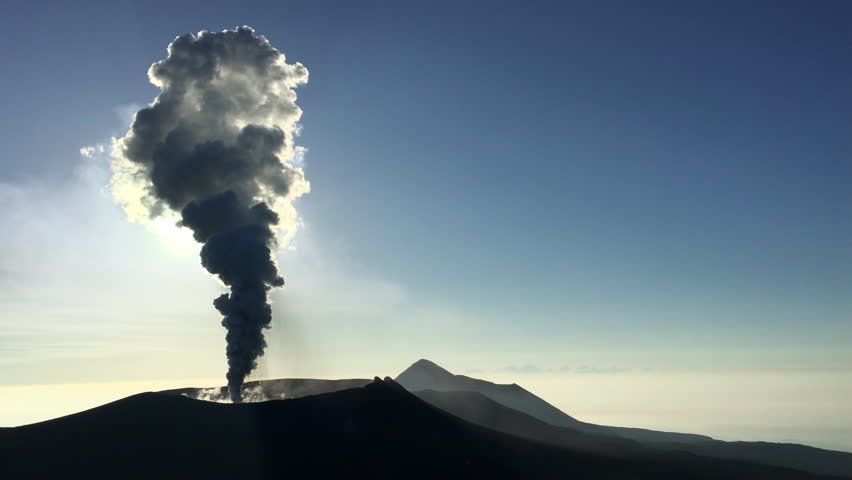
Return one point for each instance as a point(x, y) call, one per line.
point(379, 430)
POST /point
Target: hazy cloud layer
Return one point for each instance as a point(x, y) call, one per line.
point(582, 369)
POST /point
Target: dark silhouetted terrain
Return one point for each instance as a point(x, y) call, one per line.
point(477, 409)
point(481, 410)
point(377, 431)
point(514, 410)
point(800, 457)
point(425, 375)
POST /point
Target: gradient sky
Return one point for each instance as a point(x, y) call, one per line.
point(536, 192)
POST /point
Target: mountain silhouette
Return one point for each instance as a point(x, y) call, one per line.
point(376, 431)
point(521, 414)
point(791, 455)
point(477, 408)
point(483, 409)
point(426, 375)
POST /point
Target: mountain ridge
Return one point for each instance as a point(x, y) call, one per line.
point(427, 375)
point(379, 430)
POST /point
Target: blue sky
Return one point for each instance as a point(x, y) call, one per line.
point(600, 184)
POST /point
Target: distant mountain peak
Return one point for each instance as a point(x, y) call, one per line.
point(426, 375)
point(423, 372)
point(428, 365)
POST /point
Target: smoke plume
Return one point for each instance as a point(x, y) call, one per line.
point(214, 153)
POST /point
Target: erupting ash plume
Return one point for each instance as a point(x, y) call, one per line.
point(214, 153)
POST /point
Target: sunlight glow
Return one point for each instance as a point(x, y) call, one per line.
point(168, 227)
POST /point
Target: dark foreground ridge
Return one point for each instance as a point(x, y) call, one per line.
point(512, 409)
point(376, 431)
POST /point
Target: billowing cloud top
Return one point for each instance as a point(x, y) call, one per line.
point(224, 121)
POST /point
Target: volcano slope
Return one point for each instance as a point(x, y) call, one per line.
point(376, 431)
